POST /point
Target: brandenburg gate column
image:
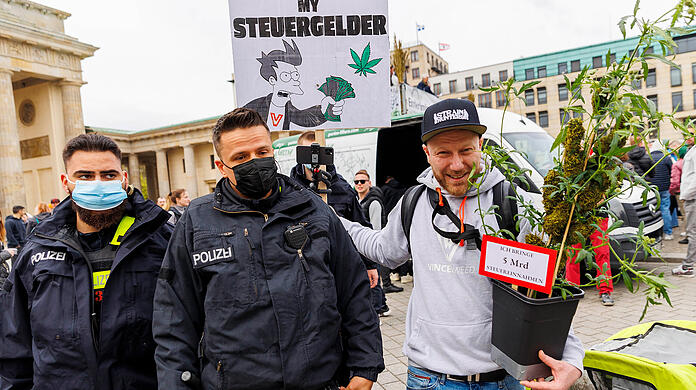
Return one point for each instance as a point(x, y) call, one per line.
point(72, 108)
point(11, 180)
point(134, 171)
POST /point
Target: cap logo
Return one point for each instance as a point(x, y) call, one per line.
point(448, 115)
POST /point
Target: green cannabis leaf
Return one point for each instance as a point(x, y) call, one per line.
point(363, 65)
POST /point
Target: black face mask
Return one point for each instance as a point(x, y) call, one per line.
point(256, 177)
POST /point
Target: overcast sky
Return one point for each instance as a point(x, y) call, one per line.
point(162, 62)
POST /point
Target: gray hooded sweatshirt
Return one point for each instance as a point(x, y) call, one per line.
point(448, 323)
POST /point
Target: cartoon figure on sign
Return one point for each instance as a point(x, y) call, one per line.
point(279, 69)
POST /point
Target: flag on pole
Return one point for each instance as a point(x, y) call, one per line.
point(420, 27)
point(444, 46)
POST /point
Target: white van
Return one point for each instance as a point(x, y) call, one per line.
point(396, 151)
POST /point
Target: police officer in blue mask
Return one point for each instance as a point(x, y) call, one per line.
point(76, 311)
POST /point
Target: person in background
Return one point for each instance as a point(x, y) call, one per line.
point(16, 231)
point(660, 178)
point(42, 212)
point(54, 202)
point(424, 85)
point(393, 191)
point(343, 199)
point(373, 212)
point(639, 158)
point(372, 202)
point(162, 202)
point(393, 78)
point(687, 193)
point(602, 255)
point(674, 184)
point(5, 254)
point(179, 201)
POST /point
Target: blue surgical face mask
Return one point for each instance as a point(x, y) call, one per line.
point(98, 195)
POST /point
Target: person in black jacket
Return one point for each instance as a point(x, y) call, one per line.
point(76, 311)
point(372, 203)
point(661, 178)
point(343, 199)
point(261, 287)
point(16, 230)
point(640, 160)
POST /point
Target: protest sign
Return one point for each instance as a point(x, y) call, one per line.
point(517, 263)
point(313, 64)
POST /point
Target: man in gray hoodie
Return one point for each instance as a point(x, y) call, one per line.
point(448, 324)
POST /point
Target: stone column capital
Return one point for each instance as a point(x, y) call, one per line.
point(74, 83)
point(9, 71)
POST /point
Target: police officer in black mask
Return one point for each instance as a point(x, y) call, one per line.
point(261, 287)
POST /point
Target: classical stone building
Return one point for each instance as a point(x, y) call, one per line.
point(40, 104)
point(167, 158)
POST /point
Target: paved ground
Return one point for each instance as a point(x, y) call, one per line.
point(593, 322)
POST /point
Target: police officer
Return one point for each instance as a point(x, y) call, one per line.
point(261, 287)
point(76, 311)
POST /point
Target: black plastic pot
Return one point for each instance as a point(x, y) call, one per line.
point(522, 326)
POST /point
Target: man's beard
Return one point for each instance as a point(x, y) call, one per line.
point(100, 220)
point(458, 190)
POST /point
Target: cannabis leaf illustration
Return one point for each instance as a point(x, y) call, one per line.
point(363, 65)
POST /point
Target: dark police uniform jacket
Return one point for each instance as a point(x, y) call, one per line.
point(236, 307)
point(48, 339)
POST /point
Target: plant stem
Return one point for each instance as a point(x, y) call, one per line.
point(570, 219)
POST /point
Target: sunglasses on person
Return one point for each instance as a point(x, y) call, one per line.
point(359, 181)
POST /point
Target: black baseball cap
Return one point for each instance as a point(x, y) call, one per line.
point(450, 114)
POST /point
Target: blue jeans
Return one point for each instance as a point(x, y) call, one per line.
point(664, 209)
point(423, 380)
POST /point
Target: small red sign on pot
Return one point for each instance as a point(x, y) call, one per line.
point(518, 263)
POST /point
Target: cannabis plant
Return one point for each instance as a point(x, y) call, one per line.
point(588, 171)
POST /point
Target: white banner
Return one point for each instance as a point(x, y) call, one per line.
point(312, 64)
point(416, 100)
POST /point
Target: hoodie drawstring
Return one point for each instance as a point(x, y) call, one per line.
point(461, 218)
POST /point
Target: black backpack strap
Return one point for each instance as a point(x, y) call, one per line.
point(408, 208)
point(507, 208)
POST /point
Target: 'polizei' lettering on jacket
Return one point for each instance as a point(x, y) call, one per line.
point(448, 115)
point(47, 255)
point(211, 256)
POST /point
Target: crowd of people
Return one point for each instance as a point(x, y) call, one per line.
point(261, 284)
point(674, 176)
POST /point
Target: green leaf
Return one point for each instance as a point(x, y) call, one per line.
point(356, 59)
point(627, 281)
point(373, 63)
point(526, 86)
point(622, 26)
point(560, 138)
point(354, 66)
point(636, 7)
point(365, 55)
point(368, 70)
point(661, 59)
